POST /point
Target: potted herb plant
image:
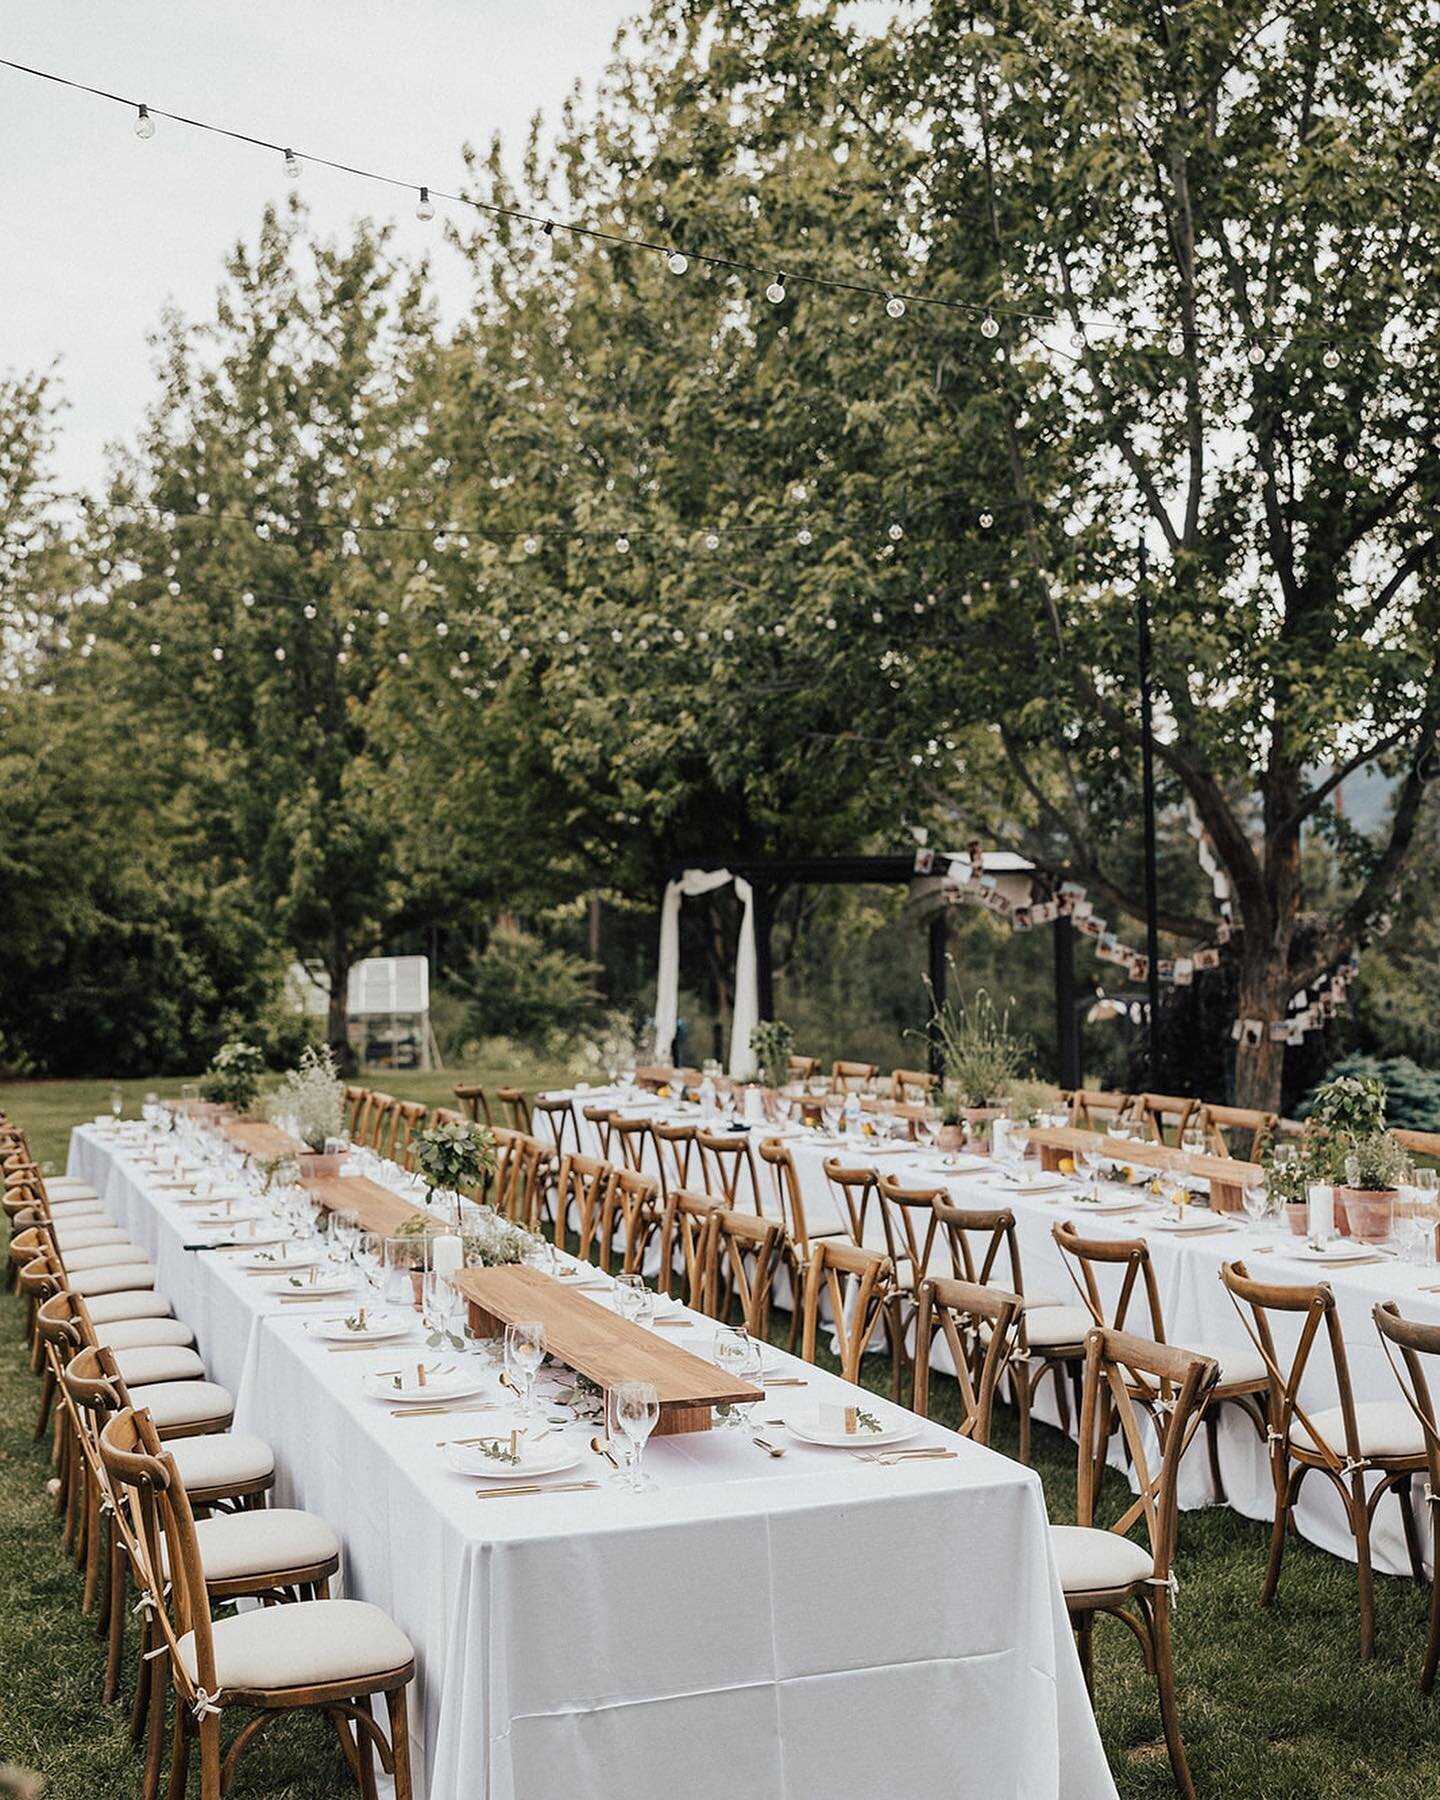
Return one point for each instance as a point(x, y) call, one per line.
point(233, 1078)
point(310, 1104)
point(1375, 1169)
point(983, 1059)
point(771, 1043)
point(453, 1159)
point(1346, 1112)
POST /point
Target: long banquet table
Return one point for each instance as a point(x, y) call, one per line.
point(1197, 1310)
point(812, 1627)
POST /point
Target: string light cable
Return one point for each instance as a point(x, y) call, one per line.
point(777, 279)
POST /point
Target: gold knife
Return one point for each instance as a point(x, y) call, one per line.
point(562, 1487)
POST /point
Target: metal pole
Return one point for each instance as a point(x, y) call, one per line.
point(1147, 768)
point(1067, 1015)
point(939, 933)
point(765, 947)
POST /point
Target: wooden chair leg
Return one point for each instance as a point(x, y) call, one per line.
point(1432, 1645)
point(1212, 1442)
point(1360, 1524)
point(1412, 1535)
point(179, 1756)
point(1020, 1379)
point(155, 1686)
point(116, 1593)
point(1084, 1643)
point(366, 1749)
point(210, 1757)
point(47, 1396)
point(400, 1741)
point(1159, 1620)
point(1284, 1499)
point(92, 1547)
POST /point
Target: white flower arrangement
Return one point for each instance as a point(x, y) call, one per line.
point(310, 1100)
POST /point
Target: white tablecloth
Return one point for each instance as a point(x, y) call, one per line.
point(810, 1628)
point(1195, 1306)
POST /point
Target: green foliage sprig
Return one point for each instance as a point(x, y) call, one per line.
point(310, 1100)
point(233, 1077)
point(982, 1055)
point(771, 1043)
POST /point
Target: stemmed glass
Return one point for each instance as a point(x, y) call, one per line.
point(737, 1353)
point(926, 1124)
point(633, 1299)
point(831, 1112)
point(1256, 1199)
point(636, 1410)
point(524, 1353)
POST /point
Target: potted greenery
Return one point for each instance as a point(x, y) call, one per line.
point(233, 1078)
point(1375, 1170)
point(454, 1159)
point(983, 1060)
point(310, 1104)
point(1346, 1112)
point(1286, 1182)
point(771, 1044)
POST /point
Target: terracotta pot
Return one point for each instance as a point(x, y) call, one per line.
point(1297, 1216)
point(950, 1138)
point(315, 1165)
point(1371, 1212)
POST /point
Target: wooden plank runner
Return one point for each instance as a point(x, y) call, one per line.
point(259, 1138)
point(1227, 1177)
point(374, 1207)
point(592, 1341)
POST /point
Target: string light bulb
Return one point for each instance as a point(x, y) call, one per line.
point(897, 531)
point(1256, 353)
point(622, 544)
point(1175, 344)
point(425, 206)
point(677, 263)
point(531, 545)
point(144, 124)
point(712, 542)
point(292, 165)
point(895, 306)
point(775, 293)
point(803, 536)
point(989, 325)
point(987, 519)
point(1330, 357)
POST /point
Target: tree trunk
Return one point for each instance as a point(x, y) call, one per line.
point(337, 966)
point(1264, 990)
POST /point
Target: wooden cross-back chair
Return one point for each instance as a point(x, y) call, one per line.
point(523, 1181)
point(332, 1655)
point(561, 1122)
point(689, 1236)
point(1052, 1336)
point(1106, 1570)
point(1344, 1443)
point(727, 1168)
point(517, 1108)
point(1092, 1109)
point(1243, 1379)
point(447, 1115)
point(410, 1116)
point(853, 1185)
point(748, 1253)
point(914, 1086)
point(1419, 1143)
point(869, 1274)
point(599, 1118)
point(912, 1227)
point(676, 1156)
point(797, 1231)
point(801, 1068)
point(380, 1122)
point(1253, 1131)
point(631, 1145)
point(978, 1324)
point(1160, 1114)
point(352, 1101)
point(1408, 1344)
point(850, 1077)
point(584, 1198)
point(635, 1206)
point(472, 1097)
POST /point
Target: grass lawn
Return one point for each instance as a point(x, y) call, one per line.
point(1274, 1705)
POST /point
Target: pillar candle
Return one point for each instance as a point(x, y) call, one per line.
point(447, 1254)
point(1320, 1212)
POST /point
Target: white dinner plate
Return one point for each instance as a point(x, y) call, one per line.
point(1081, 1204)
point(300, 1284)
point(447, 1383)
point(1337, 1251)
point(1044, 1183)
point(808, 1425)
point(1203, 1221)
point(960, 1165)
point(547, 1458)
point(270, 1261)
point(379, 1326)
point(218, 1215)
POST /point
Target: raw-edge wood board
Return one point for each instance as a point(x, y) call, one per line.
point(1227, 1177)
point(375, 1207)
point(592, 1341)
point(259, 1138)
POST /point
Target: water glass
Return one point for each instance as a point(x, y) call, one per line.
point(524, 1353)
point(1256, 1198)
point(636, 1410)
point(633, 1299)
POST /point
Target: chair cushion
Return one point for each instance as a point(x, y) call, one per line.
point(172, 1404)
point(221, 1461)
point(148, 1363)
point(70, 1187)
point(1051, 1327)
point(126, 1303)
point(61, 1208)
point(100, 1256)
point(1095, 1562)
point(86, 1235)
point(234, 1546)
point(1387, 1428)
point(113, 1280)
point(304, 1645)
point(142, 1334)
point(1237, 1362)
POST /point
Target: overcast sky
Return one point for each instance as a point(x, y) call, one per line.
point(100, 231)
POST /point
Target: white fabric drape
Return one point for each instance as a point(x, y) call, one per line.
point(746, 1012)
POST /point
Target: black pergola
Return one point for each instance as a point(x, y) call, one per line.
point(769, 876)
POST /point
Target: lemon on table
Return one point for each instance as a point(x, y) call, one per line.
point(1067, 1165)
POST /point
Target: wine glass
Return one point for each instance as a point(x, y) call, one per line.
point(1192, 1140)
point(1256, 1199)
point(831, 1112)
point(524, 1353)
point(734, 1351)
point(633, 1299)
point(925, 1126)
point(637, 1412)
